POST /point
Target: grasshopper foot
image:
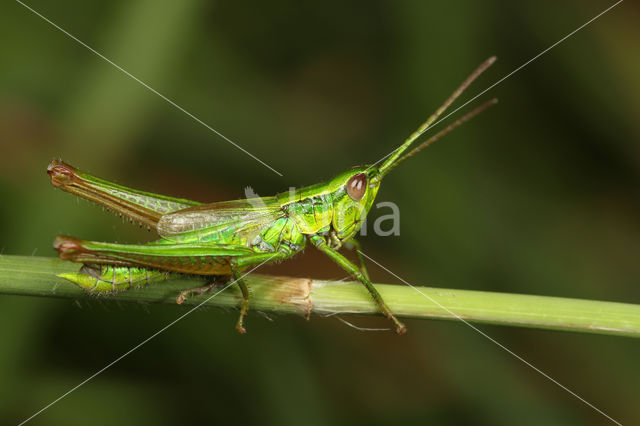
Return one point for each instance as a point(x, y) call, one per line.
point(400, 327)
point(239, 328)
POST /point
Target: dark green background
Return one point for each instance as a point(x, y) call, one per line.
point(539, 195)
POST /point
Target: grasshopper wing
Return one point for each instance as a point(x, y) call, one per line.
point(237, 221)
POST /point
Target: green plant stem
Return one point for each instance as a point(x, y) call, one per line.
point(36, 276)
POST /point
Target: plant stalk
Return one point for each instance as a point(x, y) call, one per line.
point(36, 276)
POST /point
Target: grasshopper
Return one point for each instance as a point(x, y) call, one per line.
point(226, 238)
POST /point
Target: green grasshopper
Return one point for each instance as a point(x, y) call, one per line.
point(226, 238)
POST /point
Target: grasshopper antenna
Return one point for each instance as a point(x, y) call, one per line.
point(468, 116)
point(395, 155)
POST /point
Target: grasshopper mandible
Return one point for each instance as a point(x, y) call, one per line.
point(226, 238)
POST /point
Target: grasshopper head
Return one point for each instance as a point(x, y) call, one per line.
point(354, 192)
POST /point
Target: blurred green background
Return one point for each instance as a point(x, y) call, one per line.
point(539, 195)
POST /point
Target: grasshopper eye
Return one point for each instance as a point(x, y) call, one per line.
point(357, 186)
